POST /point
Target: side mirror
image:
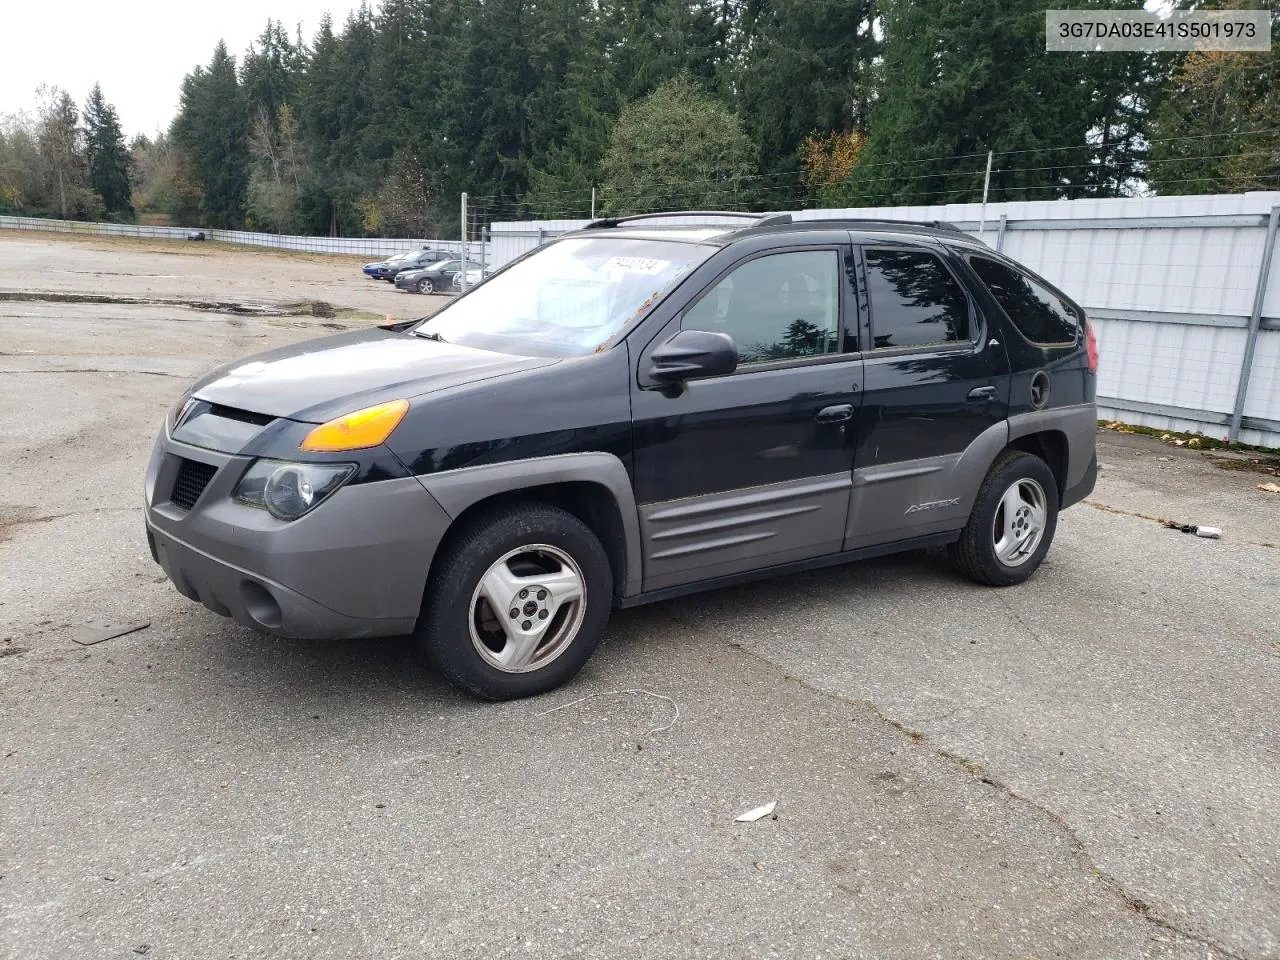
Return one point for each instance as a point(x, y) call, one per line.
point(692, 354)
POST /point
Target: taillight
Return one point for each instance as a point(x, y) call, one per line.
point(1091, 345)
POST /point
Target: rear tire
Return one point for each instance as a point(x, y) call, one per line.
point(1012, 523)
point(535, 561)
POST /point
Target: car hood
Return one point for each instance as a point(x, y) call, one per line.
point(321, 379)
point(415, 272)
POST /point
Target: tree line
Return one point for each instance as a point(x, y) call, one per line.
point(538, 107)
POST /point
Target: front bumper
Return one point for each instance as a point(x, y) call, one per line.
point(356, 566)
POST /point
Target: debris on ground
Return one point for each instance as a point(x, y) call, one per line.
point(1210, 533)
point(613, 693)
point(1269, 487)
point(96, 633)
point(759, 813)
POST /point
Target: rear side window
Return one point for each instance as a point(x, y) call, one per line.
point(1039, 315)
point(914, 299)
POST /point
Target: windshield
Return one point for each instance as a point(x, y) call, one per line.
point(568, 299)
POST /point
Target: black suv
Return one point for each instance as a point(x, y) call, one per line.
point(632, 412)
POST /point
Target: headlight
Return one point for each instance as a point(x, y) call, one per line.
point(288, 490)
point(176, 412)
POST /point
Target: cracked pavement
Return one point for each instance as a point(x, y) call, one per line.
point(1084, 766)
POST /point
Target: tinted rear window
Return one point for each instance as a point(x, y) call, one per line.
point(1041, 316)
point(915, 301)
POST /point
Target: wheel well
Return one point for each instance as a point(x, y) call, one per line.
point(1051, 447)
point(589, 502)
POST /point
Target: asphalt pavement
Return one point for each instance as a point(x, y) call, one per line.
point(1084, 766)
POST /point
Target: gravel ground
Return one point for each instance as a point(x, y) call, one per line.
point(1084, 766)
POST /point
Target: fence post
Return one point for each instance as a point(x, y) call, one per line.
point(462, 267)
point(1004, 221)
point(1255, 321)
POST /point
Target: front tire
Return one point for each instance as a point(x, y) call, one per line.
point(426, 286)
point(518, 604)
point(1012, 523)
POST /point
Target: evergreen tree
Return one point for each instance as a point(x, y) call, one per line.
point(110, 162)
point(62, 151)
point(806, 68)
point(487, 125)
point(572, 111)
point(212, 129)
point(677, 148)
point(962, 77)
point(1217, 127)
point(652, 41)
point(271, 72)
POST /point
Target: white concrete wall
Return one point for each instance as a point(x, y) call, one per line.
point(374, 247)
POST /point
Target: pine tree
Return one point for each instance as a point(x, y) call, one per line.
point(806, 68)
point(1217, 127)
point(487, 125)
point(62, 149)
point(110, 162)
point(212, 128)
point(677, 148)
point(962, 77)
point(573, 109)
point(271, 71)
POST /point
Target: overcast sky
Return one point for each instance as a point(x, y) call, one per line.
point(139, 50)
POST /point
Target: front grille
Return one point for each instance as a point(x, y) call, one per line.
point(244, 416)
point(193, 477)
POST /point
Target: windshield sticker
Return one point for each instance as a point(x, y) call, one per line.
point(641, 265)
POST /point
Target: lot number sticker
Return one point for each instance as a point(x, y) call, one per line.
point(641, 265)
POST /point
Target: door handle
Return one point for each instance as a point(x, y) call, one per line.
point(834, 414)
point(982, 393)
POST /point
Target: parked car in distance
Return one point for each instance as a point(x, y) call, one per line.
point(472, 276)
point(409, 260)
point(629, 413)
point(433, 278)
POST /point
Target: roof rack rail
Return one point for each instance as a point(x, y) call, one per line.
point(616, 221)
point(934, 224)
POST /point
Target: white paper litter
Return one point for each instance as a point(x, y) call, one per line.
point(751, 816)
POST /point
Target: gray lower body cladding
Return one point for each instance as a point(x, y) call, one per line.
point(356, 566)
point(259, 602)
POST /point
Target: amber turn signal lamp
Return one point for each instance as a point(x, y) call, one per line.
point(355, 431)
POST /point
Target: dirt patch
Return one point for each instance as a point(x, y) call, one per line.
point(237, 307)
point(1267, 464)
point(11, 518)
point(1191, 441)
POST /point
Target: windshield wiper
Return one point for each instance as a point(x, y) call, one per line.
point(432, 335)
